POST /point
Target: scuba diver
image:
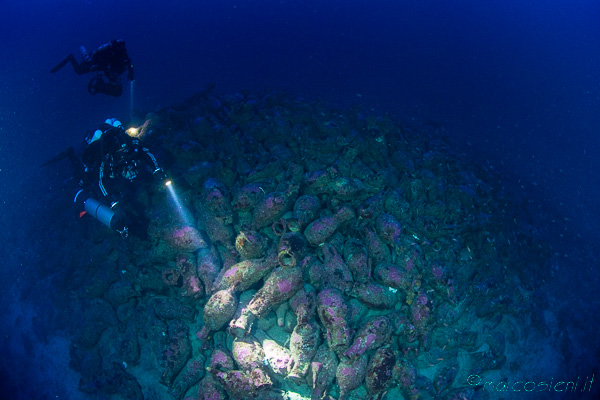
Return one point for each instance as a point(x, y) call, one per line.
point(111, 171)
point(109, 62)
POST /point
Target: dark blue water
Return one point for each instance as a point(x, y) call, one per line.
point(514, 85)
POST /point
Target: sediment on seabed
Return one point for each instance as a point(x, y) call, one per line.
point(322, 252)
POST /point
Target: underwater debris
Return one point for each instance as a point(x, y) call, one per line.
point(328, 254)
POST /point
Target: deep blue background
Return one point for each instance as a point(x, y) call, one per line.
point(514, 84)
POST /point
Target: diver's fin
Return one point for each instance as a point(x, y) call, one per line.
point(65, 154)
point(61, 64)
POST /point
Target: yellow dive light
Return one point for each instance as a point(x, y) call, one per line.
point(133, 132)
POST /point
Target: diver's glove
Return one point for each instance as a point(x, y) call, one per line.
point(159, 177)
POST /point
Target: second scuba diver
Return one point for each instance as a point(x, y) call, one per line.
point(109, 62)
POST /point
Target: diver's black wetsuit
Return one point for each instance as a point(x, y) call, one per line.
point(112, 170)
point(114, 167)
point(116, 164)
point(109, 61)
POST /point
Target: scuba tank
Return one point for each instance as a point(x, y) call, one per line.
point(103, 213)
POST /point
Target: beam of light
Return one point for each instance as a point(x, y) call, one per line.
point(130, 101)
point(182, 211)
